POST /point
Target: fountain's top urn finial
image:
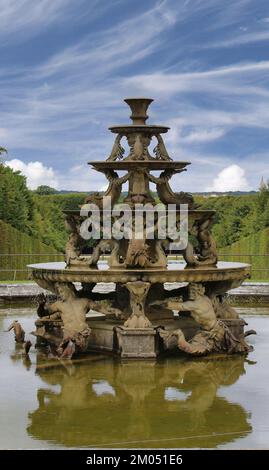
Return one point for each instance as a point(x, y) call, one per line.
point(139, 108)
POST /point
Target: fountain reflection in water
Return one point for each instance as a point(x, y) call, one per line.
point(114, 404)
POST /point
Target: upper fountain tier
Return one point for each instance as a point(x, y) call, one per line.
point(139, 136)
point(139, 107)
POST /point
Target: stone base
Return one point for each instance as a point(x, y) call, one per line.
point(144, 343)
point(109, 335)
point(139, 343)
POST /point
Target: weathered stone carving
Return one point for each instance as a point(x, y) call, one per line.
point(72, 310)
point(222, 308)
point(207, 245)
point(75, 242)
point(206, 251)
point(117, 151)
point(105, 246)
point(113, 191)
point(160, 149)
point(137, 263)
point(165, 192)
point(19, 332)
point(214, 336)
point(138, 293)
point(137, 254)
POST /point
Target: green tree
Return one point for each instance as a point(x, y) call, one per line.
point(44, 190)
point(16, 203)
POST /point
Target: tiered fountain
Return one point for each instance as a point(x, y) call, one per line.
point(143, 314)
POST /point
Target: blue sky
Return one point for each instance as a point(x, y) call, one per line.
point(67, 65)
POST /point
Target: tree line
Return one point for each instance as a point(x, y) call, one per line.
point(39, 213)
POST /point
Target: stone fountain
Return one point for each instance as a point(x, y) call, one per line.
point(153, 306)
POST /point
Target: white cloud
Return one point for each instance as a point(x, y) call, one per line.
point(36, 173)
point(231, 178)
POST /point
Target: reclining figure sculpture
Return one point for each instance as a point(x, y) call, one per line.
point(214, 335)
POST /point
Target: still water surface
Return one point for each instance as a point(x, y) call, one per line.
point(99, 401)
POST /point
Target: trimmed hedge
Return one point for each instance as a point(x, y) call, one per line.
point(15, 242)
point(246, 249)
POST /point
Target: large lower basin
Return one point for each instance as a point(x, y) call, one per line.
point(176, 272)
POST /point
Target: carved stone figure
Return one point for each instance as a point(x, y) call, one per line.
point(113, 191)
point(105, 246)
point(160, 149)
point(72, 310)
point(18, 331)
point(207, 245)
point(117, 150)
point(214, 336)
point(165, 192)
point(139, 191)
point(137, 254)
point(159, 258)
point(138, 144)
point(206, 250)
point(222, 308)
point(138, 293)
point(75, 241)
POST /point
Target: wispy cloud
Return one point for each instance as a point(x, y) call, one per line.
point(28, 16)
point(23, 19)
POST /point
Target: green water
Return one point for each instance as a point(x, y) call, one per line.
point(99, 401)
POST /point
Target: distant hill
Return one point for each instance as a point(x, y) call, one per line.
point(255, 244)
point(228, 193)
point(13, 241)
point(203, 193)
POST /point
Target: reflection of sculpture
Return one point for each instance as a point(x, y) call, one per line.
point(214, 335)
point(178, 397)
